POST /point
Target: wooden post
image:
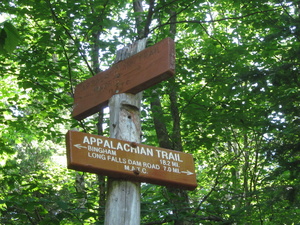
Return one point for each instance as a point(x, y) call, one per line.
point(123, 197)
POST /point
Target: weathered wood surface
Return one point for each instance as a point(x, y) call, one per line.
point(130, 160)
point(131, 75)
point(123, 204)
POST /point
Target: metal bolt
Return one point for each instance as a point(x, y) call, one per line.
point(133, 144)
point(136, 172)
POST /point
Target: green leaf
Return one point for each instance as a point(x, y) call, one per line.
point(3, 37)
point(9, 38)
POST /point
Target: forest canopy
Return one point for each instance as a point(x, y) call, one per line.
point(234, 104)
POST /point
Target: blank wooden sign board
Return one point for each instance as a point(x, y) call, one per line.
point(137, 162)
point(132, 75)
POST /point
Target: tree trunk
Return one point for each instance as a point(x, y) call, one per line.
point(100, 178)
point(96, 69)
point(178, 198)
point(80, 188)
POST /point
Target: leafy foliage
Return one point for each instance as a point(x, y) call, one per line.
point(235, 97)
point(9, 38)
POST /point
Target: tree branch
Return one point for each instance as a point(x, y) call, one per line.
point(69, 71)
point(56, 19)
point(213, 21)
point(216, 183)
point(138, 8)
point(149, 18)
point(158, 222)
point(159, 125)
point(191, 99)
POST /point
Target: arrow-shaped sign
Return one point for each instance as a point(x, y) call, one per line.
point(187, 172)
point(79, 146)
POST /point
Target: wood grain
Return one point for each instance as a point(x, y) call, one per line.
point(132, 75)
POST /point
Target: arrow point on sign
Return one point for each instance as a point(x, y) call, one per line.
point(79, 146)
point(187, 172)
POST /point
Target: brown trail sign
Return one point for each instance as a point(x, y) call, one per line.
point(132, 75)
point(127, 161)
point(137, 162)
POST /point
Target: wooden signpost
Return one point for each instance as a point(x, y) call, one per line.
point(136, 73)
point(129, 160)
point(121, 157)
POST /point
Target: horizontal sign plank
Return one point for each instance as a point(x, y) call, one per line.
point(132, 75)
point(130, 161)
